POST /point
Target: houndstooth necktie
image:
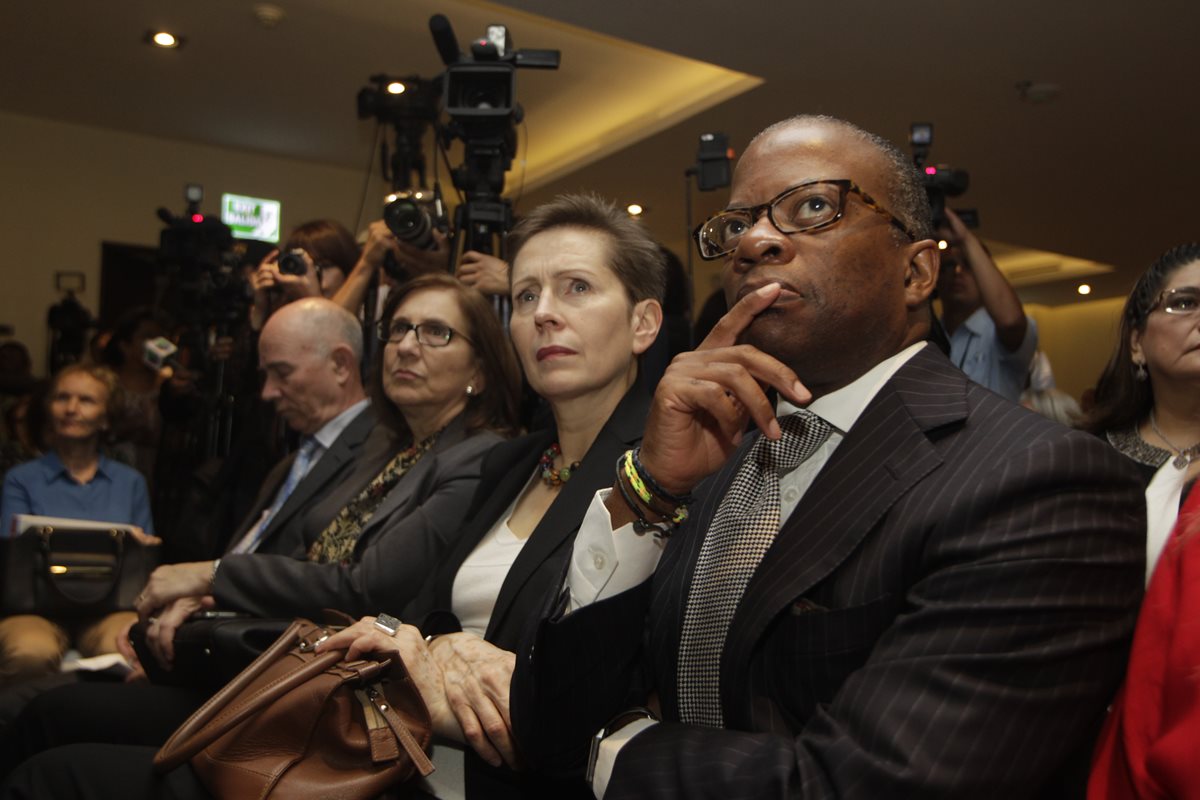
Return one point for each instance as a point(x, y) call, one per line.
point(741, 531)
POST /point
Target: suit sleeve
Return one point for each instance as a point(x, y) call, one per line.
point(392, 565)
point(1019, 600)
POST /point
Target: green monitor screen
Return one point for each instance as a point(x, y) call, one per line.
point(251, 217)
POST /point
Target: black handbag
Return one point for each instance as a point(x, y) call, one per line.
point(211, 648)
point(59, 572)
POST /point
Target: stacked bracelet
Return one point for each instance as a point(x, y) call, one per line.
point(634, 482)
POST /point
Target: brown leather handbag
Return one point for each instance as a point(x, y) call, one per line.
point(297, 724)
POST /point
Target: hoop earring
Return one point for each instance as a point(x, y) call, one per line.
point(1139, 371)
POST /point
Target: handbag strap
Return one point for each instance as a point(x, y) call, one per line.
point(197, 733)
point(403, 734)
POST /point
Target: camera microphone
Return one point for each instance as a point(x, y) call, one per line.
point(160, 352)
point(444, 39)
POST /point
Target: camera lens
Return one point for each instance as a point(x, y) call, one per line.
point(409, 221)
point(292, 262)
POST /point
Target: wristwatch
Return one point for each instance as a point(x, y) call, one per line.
point(612, 726)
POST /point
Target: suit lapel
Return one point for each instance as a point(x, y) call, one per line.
point(561, 521)
point(506, 468)
point(883, 456)
point(402, 492)
point(344, 448)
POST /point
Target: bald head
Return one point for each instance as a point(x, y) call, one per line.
point(320, 324)
point(309, 351)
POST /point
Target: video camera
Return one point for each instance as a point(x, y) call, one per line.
point(477, 92)
point(941, 180)
point(479, 96)
point(198, 261)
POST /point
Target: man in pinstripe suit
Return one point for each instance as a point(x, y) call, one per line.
point(946, 606)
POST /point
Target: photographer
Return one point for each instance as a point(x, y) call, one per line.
point(313, 262)
point(411, 260)
point(991, 339)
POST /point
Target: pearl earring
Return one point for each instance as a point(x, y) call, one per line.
point(470, 389)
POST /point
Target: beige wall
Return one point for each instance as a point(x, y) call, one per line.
point(1079, 339)
point(67, 188)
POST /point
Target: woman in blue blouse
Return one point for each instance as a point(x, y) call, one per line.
point(71, 480)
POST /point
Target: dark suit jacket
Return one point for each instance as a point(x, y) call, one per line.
point(418, 521)
point(538, 569)
point(364, 445)
point(945, 614)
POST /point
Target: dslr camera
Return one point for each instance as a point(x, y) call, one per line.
point(411, 215)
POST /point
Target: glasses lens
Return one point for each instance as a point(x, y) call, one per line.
point(720, 234)
point(395, 332)
point(1181, 301)
point(433, 334)
point(808, 207)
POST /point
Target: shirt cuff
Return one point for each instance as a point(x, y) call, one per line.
point(606, 759)
point(605, 562)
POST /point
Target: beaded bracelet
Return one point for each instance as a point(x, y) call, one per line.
point(638, 478)
point(673, 499)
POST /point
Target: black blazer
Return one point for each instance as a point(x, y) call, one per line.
point(418, 521)
point(364, 444)
point(945, 614)
point(538, 569)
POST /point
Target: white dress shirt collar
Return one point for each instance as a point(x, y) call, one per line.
point(842, 408)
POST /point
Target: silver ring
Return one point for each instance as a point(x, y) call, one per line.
point(388, 624)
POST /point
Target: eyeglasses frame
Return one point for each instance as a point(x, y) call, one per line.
point(1157, 305)
point(383, 331)
point(845, 186)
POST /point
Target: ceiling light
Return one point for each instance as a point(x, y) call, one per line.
point(395, 87)
point(1083, 288)
point(269, 15)
point(164, 39)
point(634, 210)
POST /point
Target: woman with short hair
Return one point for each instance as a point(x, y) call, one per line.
point(73, 479)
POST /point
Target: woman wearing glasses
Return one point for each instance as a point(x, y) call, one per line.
point(1148, 398)
point(446, 383)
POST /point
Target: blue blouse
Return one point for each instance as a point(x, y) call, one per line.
point(116, 493)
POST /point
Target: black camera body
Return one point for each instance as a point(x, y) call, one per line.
point(941, 180)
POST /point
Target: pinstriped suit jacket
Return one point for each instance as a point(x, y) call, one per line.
point(945, 614)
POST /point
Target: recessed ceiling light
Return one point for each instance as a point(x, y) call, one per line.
point(1083, 288)
point(164, 39)
point(634, 210)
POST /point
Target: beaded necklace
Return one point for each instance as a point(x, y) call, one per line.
point(550, 476)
